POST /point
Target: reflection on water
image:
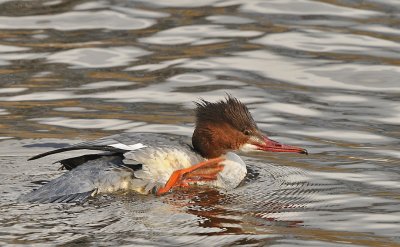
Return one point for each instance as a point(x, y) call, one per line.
point(76, 21)
point(196, 35)
point(318, 74)
point(96, 57)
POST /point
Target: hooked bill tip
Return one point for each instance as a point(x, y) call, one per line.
point(304, 151)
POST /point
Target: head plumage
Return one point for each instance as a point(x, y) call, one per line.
point(230, 111)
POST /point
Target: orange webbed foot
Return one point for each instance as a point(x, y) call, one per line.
point(209, 173)
point(203, 171)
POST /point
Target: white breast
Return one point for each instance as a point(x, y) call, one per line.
point(234, 172)
point(232, 175)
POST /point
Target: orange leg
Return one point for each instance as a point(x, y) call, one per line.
point(201, 174)
point(176, 179)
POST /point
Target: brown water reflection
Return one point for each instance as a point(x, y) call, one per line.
point(318, 74)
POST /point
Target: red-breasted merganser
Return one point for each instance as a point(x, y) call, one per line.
point(154, 163)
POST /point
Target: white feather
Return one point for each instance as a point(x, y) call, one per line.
point(128, 147)
point(158, 164)
point(232, 175)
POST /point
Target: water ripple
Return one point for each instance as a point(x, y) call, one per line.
point(77, 20)
point(304, 7)
point(98, 57)
point(196, 33)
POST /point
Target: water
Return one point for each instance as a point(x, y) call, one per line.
point(323, 75)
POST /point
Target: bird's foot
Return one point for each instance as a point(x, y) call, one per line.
point(203, 171)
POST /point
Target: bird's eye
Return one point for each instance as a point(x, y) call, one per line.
point(246, 132)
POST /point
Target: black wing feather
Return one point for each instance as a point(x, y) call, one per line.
point(78, 147)
point(103, 144)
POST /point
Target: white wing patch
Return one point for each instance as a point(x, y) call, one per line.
point(128, 147)
point(159, 163)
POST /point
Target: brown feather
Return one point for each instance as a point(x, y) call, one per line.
point(220, 126)
point(230, 111)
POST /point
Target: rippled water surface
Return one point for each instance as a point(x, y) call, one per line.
point(320, 74)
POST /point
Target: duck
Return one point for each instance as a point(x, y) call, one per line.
point(153, 163)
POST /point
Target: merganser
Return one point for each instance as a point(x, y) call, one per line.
point(153, 163)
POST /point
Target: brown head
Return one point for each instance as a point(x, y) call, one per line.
point(227, 125)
